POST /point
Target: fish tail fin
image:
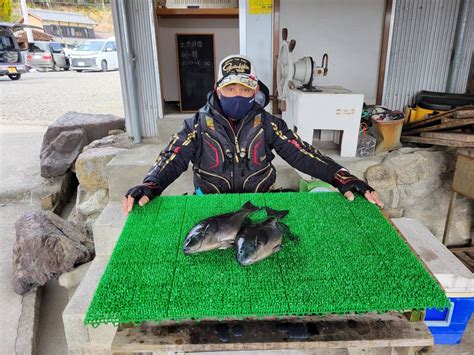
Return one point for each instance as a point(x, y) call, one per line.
point(275, 213)
point(250, 207)
point(287, 232)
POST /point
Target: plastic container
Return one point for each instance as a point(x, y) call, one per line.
point(448, 326)
point(315, 186)
point(388, 135)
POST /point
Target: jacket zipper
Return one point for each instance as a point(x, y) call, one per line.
point(265, 178)
point(250, 145)
point(253, 174)
point(214, 175)
point(236, 145)
point(217, 143)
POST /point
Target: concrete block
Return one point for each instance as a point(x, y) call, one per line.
point(183, 184)
point(108, 227)
point(170, 125)
point(128, 168)
point(287, 177)
point(73, 278)
point(79, 337)
point(26, 338)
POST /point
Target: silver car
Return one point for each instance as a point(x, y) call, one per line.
point(11, 61)
point(47, 55)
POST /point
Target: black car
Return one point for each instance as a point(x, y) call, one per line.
point(11, 60)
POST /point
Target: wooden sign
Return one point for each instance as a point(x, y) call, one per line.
point(196, 69)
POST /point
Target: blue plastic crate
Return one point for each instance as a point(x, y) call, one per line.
point(448, 326)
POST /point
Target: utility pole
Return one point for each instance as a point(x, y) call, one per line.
point(26, 21)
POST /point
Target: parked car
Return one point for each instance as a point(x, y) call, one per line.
point(97, 54)
point(47, 55)
point(11, 60)
point(68, 49)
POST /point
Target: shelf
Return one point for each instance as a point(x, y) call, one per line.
point(205, 12)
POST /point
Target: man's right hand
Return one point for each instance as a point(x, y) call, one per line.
point(140, 194)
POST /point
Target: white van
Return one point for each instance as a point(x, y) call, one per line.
point(95, 54)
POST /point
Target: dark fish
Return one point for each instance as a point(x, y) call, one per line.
point(218, 232)
point(258, 241)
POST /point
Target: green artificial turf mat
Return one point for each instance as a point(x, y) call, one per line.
point(349, 259)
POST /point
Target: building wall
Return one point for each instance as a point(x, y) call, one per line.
point(349, 31)
point(226, 41)
point(256, 41)
point(34, 21)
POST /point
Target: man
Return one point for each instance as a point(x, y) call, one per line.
point(230, 143)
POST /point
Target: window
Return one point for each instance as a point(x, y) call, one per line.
point(91, 46)
point(38, 47)
point(110, 47)
point(56, 46)
point(6, 43)
point(66, 31)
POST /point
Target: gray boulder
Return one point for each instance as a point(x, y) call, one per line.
point(46, 246)
point(416, 183)
point(68, 135)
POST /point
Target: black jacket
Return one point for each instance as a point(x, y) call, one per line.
point(227, 161)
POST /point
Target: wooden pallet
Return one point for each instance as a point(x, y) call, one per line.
point(368, 334)
point(465, 254)
point(452, 128)
point(458, 113)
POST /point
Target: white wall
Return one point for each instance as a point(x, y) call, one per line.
point(256, 41)
point(226, 42)
point(350, 31)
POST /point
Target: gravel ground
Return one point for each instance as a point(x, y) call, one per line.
point(38, 98)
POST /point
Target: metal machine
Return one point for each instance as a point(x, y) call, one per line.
point(298, 74)
point(334, 111)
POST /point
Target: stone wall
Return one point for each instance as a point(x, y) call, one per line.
point(416, 183)
point(90, 168)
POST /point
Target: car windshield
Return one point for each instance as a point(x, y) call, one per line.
point(91, 46)
point(38, 47)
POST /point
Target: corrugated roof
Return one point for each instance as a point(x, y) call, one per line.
point(61, 16)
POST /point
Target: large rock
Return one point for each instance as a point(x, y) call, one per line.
point(90, 167)
point(117, 139)
point(416, 183)
point(46, 246)
point(67, 135)
point(91, 203)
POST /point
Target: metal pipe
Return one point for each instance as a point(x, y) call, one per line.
point(129, 90)
point(26, 21)
point(461, 28)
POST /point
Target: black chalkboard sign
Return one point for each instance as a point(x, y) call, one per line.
point(196, 69)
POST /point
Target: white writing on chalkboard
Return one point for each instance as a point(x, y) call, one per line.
point(204, 63)
point(191, 44)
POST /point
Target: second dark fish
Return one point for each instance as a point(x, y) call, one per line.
point(257, 241)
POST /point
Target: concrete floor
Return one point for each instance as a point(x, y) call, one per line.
point(38, 98)
point(465, 348)
point(12, 305)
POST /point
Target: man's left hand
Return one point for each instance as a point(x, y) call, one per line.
point(348, 184)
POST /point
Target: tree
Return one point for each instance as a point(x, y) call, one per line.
point(5, 10)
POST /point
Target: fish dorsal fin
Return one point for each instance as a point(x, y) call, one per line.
point(250, 207)
point(276, 214)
